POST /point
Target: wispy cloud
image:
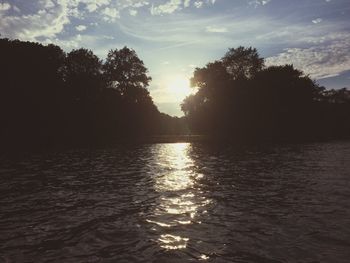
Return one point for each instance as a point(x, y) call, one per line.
point(198, 4)
point(110, 14)
point(317, 20)
point(187, 3)
point(313, 35)
point(133, 12)
point(257, 3)
point(322, 61)
point(48, 21)
point(80, 27)
point(215, 29)
point(4, 6)
point(176, 30)
point(169, 7)
point(93, 5)
point(16, 9)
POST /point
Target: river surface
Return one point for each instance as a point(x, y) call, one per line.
point(178, 202)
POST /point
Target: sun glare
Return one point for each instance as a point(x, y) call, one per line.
point(179, 86)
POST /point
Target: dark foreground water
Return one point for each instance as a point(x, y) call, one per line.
point(178, 203)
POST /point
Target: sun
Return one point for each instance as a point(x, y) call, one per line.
point(179, 86)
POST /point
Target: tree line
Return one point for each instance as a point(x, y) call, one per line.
point(240, 98)
point(52, 98)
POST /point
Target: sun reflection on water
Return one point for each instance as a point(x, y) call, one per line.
point(173, 242)
point(180, 196)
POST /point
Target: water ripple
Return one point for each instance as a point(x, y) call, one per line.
point(178, 203)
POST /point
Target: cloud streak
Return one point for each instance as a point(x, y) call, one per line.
point(324, 61)
point(167, 8)
point(4, 6)
point(48, 21)
point(313, 35)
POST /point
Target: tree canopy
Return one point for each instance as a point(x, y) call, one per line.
point(242, 62)
point(49, 97)
point(240, 98)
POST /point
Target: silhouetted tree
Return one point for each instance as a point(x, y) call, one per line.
point(239, 98)
point(52, 98)
point(242, 62)
point(126, 73)
point(30, 87)
point(83, 74)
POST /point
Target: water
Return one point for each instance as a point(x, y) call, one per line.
point(178, 203)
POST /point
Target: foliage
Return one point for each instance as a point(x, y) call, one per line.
point(239, 98)
point(50, 98)
point(242, 62)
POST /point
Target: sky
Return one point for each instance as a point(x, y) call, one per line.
point(173, 37)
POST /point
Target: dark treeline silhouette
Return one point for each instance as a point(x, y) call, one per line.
point(239, 98)
point(52, 98)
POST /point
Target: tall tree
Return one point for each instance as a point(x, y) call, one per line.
point(83, 73)
point(240, 98)
point(126, 73)
point(243, 62)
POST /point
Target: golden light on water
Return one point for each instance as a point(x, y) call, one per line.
point(173, 242)
point(180, 196)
